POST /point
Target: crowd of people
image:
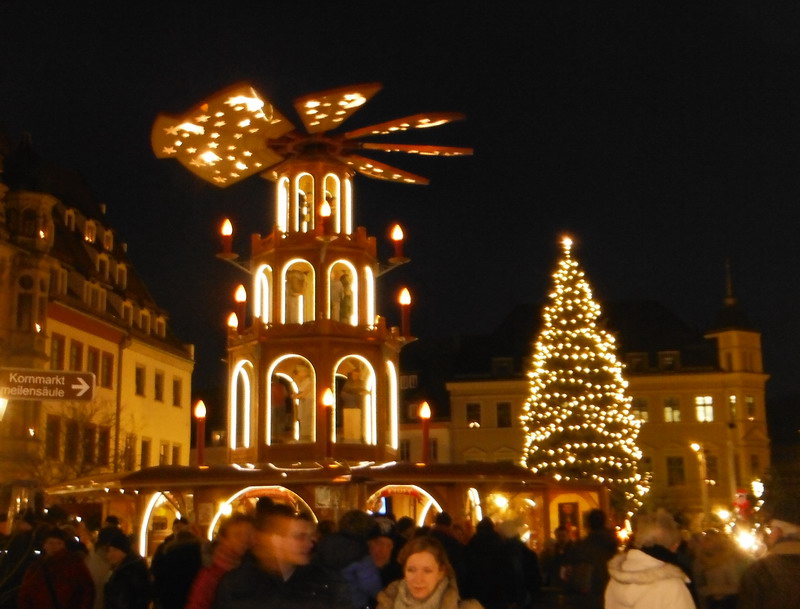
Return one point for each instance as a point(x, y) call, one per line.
point(281, 559)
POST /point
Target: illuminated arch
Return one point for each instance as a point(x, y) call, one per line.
point(262, 299)
point(252, 492)
point(303, 202)
point(160, 499)
point(415, 494)
point(369, 288)
point(354, 296)
point(240, 405)
point(333, 187)
point(394, 427)
point(282, 205)
point(272, 370)
point(369, 424)
point(302, 302)
point(348, 206)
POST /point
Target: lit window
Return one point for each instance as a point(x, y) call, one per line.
point(473, 414)
point(163, 454)
point(732, 407)
point(750, 407)
point(90, 231)
point(672, 410)
point(704, 408)
point(108, 240)
point(639, 409)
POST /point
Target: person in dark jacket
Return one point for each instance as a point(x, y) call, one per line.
point(278, 573)
point(590, 560)
point(774, 580)
point(442, 531)
point(526, 578)
point(59, 579)
point(128, 586)
point(489, 568)
point(19, 554)
point(174, 570)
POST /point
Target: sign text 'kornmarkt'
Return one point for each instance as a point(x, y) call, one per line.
point(30, 384)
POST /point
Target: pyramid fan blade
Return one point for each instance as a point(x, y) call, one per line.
point(327, 110)
point(417, 121)
point(223, 139)
point(418, 149)
point(374, 169)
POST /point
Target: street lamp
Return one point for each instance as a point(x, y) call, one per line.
point(701, 461)
point(200, 415)
point(425, 416)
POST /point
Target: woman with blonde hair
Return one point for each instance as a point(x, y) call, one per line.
point(428, 580)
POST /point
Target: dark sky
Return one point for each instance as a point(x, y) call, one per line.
point(664, 137)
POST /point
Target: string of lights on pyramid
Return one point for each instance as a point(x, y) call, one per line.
point(237, 132)
point(577, 419)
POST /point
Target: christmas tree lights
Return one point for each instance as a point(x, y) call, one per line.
point(577, 419)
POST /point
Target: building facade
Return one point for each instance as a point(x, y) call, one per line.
point(701, 399)
point(70, 300)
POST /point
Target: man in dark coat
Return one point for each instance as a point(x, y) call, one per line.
point(128, 586)
point(278, 573)
point(489, 568)
point(442, 530)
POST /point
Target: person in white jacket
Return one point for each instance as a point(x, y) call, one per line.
point(648, 576)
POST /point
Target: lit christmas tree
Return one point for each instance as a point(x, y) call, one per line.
point(577, 420)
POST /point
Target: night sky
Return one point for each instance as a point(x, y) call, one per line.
point(665, 138)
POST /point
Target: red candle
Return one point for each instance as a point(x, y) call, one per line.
point(200, 415)
point(227, 236)
point(241, 307)
point(397, 238)
point(425, 415)
point(405, 312)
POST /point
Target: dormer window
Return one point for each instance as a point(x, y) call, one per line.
point(69, 219)
point(127, 313)
point(102, 266)
point(636, 362)
point(161, 327)
point(108, 240)
point(90, 231)
point(144, 322)
point(122, 276)
point(669, 360)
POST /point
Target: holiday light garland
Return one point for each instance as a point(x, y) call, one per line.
point(577, 419)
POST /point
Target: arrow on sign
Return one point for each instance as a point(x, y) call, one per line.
point(82, 386)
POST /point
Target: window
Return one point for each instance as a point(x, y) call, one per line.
point(732, 407)
point(106, 370)
point(404, 450)
point(57, 347)
point(177, 389)
point(755, 465)
point(669, 360)
point(122, 276)
point(52, 447)
point(139, 379)
point(89, 444)
point(102, 267)
point(502, 367)
point(676, 473)
point(176, 454)
point(144, 322)
point(158, 386)
point(103, 446)
point(71, 438)
point(108, 240)
point(129, 455)
point(473, 414)
point(93, 361)
point(163, 454)
point(639, 409)
point(75, 355)
point(161, 327)
point(144, 457)
point(750, 407)
point(69, 219)
point(90, 231)
point(433, 449)
point(672, 410)
point(636, 362)
point(504, 414)
point(408, 381)
point(127, 313)
point(712, 468)
point(704, 408)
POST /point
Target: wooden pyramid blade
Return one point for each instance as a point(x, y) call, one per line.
point(224, 139)
point(327, 110)
point(381, 171)
point(418, 149)
point(417, 121)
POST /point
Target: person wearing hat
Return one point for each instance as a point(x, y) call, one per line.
point(59, 579)
point(773, 581)
point(128, 586)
